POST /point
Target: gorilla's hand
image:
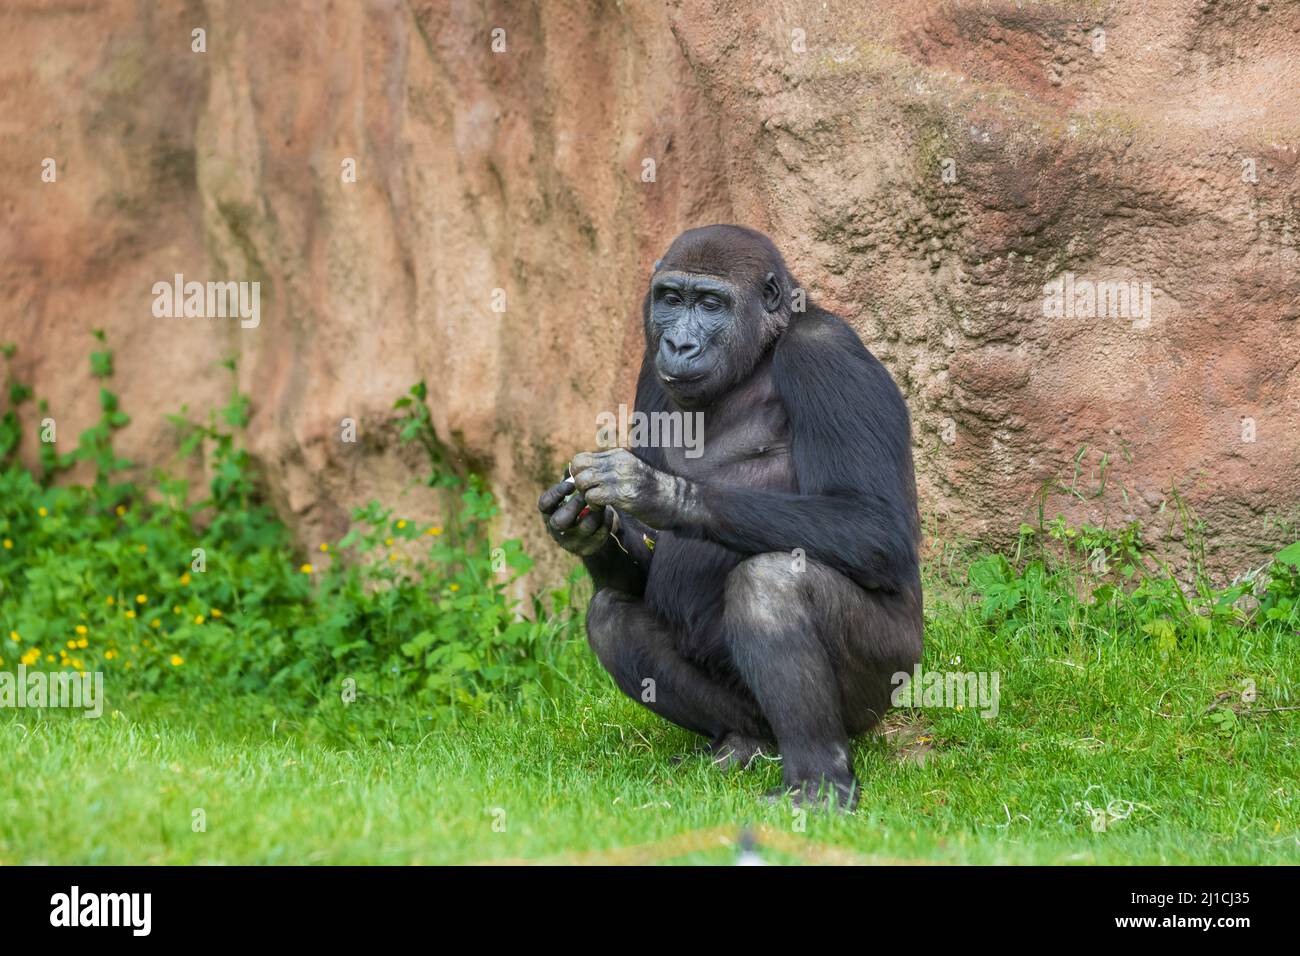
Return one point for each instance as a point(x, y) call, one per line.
point(582, 537)
point(619, 479)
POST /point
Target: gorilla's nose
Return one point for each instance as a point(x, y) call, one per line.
point(681, 347)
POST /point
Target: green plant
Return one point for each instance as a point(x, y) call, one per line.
point(154, 588)
point(1088, 579)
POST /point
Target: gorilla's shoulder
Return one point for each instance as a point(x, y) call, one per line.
point(821, 354)
point(825, 335)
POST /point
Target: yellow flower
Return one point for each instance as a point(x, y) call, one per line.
point(83, 643)
point(42, 511)
point(215, 612)
point(130, 613)
point(120, 510)
point(155, 623)
point(72, 643)
point(305, 569)
point(434, 531)
point(110, 600)
point(48, 657)
point(392, 557)
point(142, 548)
point(110, 655)
point(401, 524)
point(198, 618)
point(140, 599)
point(176, 609)
point(31, 657)
point(15, 636)
point(177, 660)
point(80, 629)
point(455, 587)
point(8, 544)
point(324, 546)
point(185, 578)
point(388, 541)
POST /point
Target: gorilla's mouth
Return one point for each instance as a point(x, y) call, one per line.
point(682, 378)
point(689, 388)
point(675, 373)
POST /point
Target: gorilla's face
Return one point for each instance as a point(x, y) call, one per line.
point(691, 317)
point(706, 333)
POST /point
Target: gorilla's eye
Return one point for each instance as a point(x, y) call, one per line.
point(710, 303)
point(672, 298)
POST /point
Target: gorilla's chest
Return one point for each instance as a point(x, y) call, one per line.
point(745, 444)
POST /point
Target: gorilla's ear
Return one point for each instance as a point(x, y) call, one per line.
point(771, 293)
point(658, 263)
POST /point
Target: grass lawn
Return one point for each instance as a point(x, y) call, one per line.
point(1141, 717)
point(1103, 729)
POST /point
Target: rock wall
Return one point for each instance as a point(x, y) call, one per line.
point(927, 168)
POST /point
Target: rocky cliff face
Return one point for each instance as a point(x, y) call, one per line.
point(934, 171)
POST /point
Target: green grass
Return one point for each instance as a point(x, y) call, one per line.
point(479, 735)
point(1106, 721)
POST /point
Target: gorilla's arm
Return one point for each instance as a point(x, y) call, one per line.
point(623, 568)
point(618, 549)
point(615, 547)
point(851, 442)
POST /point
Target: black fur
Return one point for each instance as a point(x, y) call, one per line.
point(807, 446)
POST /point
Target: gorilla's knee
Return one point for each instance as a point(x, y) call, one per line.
point(605, 621)
point(763, 592)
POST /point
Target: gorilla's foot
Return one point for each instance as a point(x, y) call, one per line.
point(819, 795)
point(735, 751)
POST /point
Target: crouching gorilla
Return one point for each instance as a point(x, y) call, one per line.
point(763, 592)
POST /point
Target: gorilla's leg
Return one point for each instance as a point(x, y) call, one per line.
point(818, 653)
point(635, 647)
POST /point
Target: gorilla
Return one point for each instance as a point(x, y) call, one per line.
point(764, 592)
